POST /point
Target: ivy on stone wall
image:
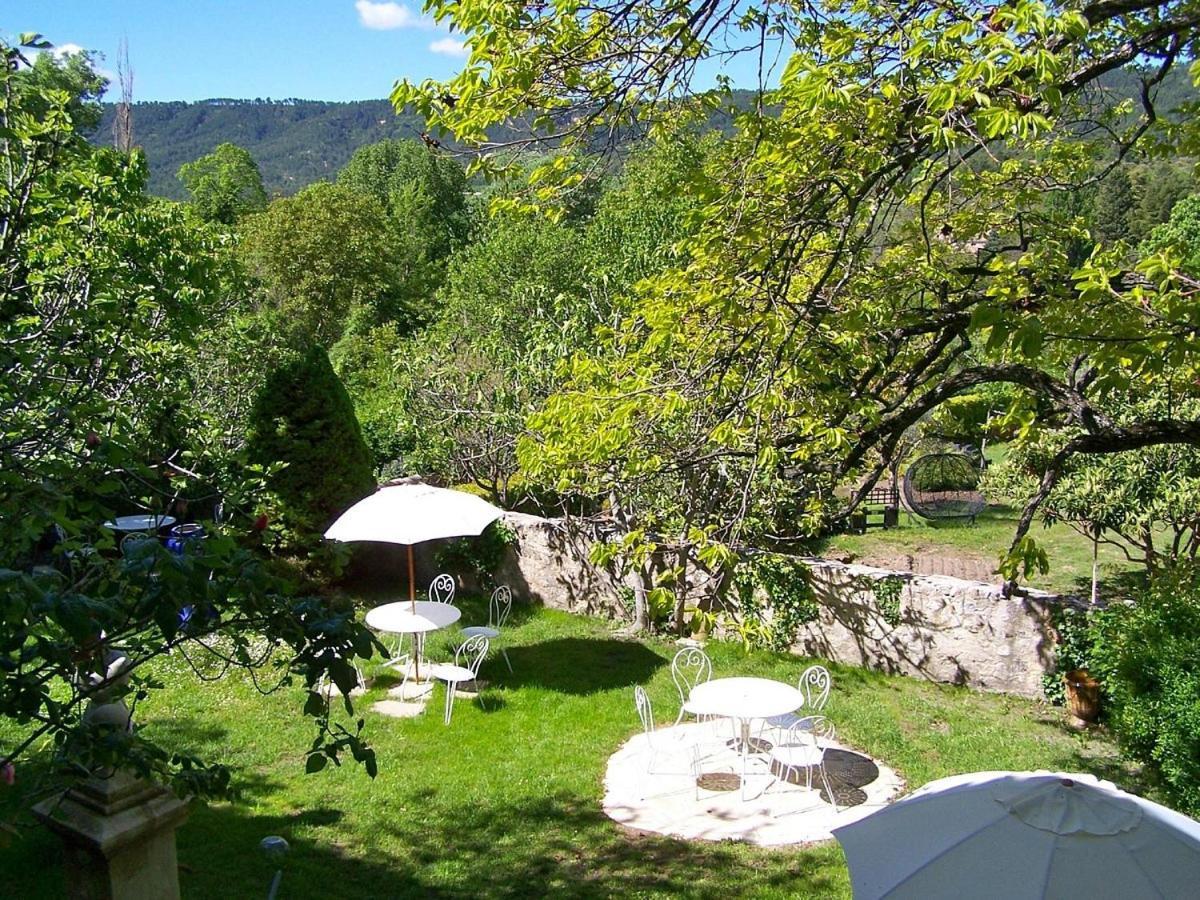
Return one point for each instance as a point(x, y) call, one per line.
point(782, 583)
point(888, 591)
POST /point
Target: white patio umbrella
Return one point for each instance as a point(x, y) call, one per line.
point(1022, 835)
point(412, 513)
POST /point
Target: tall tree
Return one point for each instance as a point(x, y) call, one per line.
point(323, 261)
point(424, 193)
point(874, 239)
point(1112, 215)
point(123, 120)
point(225, 185)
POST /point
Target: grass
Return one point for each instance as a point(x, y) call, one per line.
point(1070, 553)
point(506, 802)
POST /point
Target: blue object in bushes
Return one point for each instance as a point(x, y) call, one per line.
point(183, 536)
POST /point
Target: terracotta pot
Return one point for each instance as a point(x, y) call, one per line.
point(1083, 695)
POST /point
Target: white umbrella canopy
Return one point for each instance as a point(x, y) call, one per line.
point(1022, 835)
point(412, 513)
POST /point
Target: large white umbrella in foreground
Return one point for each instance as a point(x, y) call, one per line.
point(412, 513)
point(1023, 835)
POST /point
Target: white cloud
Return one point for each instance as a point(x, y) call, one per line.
point(448, 46)
point(386, 16)
point(66, 50)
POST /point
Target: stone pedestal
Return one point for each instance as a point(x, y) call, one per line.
point(118, 837)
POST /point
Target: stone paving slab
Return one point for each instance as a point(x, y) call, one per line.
point(666, 800)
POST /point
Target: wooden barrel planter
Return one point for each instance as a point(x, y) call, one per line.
point(1083, 695)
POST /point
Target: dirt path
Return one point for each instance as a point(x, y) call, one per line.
point(958, 564)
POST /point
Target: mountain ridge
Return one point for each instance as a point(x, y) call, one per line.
point(296, 142)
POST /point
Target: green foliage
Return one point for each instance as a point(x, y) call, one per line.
point(102, 295)
point(1179, 235)
point(785, 583)
point(424, 191)
point(512, 306)
point(888, 592)
point(479, 556)
point(72, 73)
point(322, 259)
point(304, 419)
point(1147, 656)
point(224, 185)
point(1074, 632)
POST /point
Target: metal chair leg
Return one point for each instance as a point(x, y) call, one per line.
point(450, 686)
point(504, 653)
point(829, 788)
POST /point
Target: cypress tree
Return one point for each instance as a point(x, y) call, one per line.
point(303, 417)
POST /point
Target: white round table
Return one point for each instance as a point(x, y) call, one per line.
point(744, 700)
point(405, 617)
point(147, 523)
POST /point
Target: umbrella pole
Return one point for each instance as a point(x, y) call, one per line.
point(412, 598)
point(412, 590)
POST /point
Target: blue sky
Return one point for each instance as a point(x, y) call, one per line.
point(320, 49)
point(312, 49)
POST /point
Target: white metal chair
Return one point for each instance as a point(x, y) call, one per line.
point(136, 544)
point(803, 747)
point(699, 750)
point(814, 684)
point(646, 713)
point(690, 667)
point(441, 589)
point(465, 668)
point(499, 607)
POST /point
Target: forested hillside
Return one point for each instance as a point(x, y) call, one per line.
point(294, 142)
point(297, 142)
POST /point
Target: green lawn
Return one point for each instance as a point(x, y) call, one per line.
point(507, 802)
point(1070, 553)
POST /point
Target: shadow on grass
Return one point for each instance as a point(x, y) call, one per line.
point(580, 665)
point(566, 848)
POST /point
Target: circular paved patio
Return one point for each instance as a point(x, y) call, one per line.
point(774, 813)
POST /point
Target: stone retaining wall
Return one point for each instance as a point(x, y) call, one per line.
point(951, 630)
point(550, 564)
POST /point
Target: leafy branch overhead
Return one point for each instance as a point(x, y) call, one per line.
point(873, 241)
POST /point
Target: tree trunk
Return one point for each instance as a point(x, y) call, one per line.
point(681, 586)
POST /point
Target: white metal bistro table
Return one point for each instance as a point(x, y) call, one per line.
point(147, 523)
point(744, 700)
point(415, 619)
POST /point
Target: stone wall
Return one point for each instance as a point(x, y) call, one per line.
point(550, 565)
point(951, 630)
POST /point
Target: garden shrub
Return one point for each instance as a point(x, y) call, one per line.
point(303, 418)
point(478, 556)
point(1147, 655)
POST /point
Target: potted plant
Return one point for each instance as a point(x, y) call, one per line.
point(1083, 695)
